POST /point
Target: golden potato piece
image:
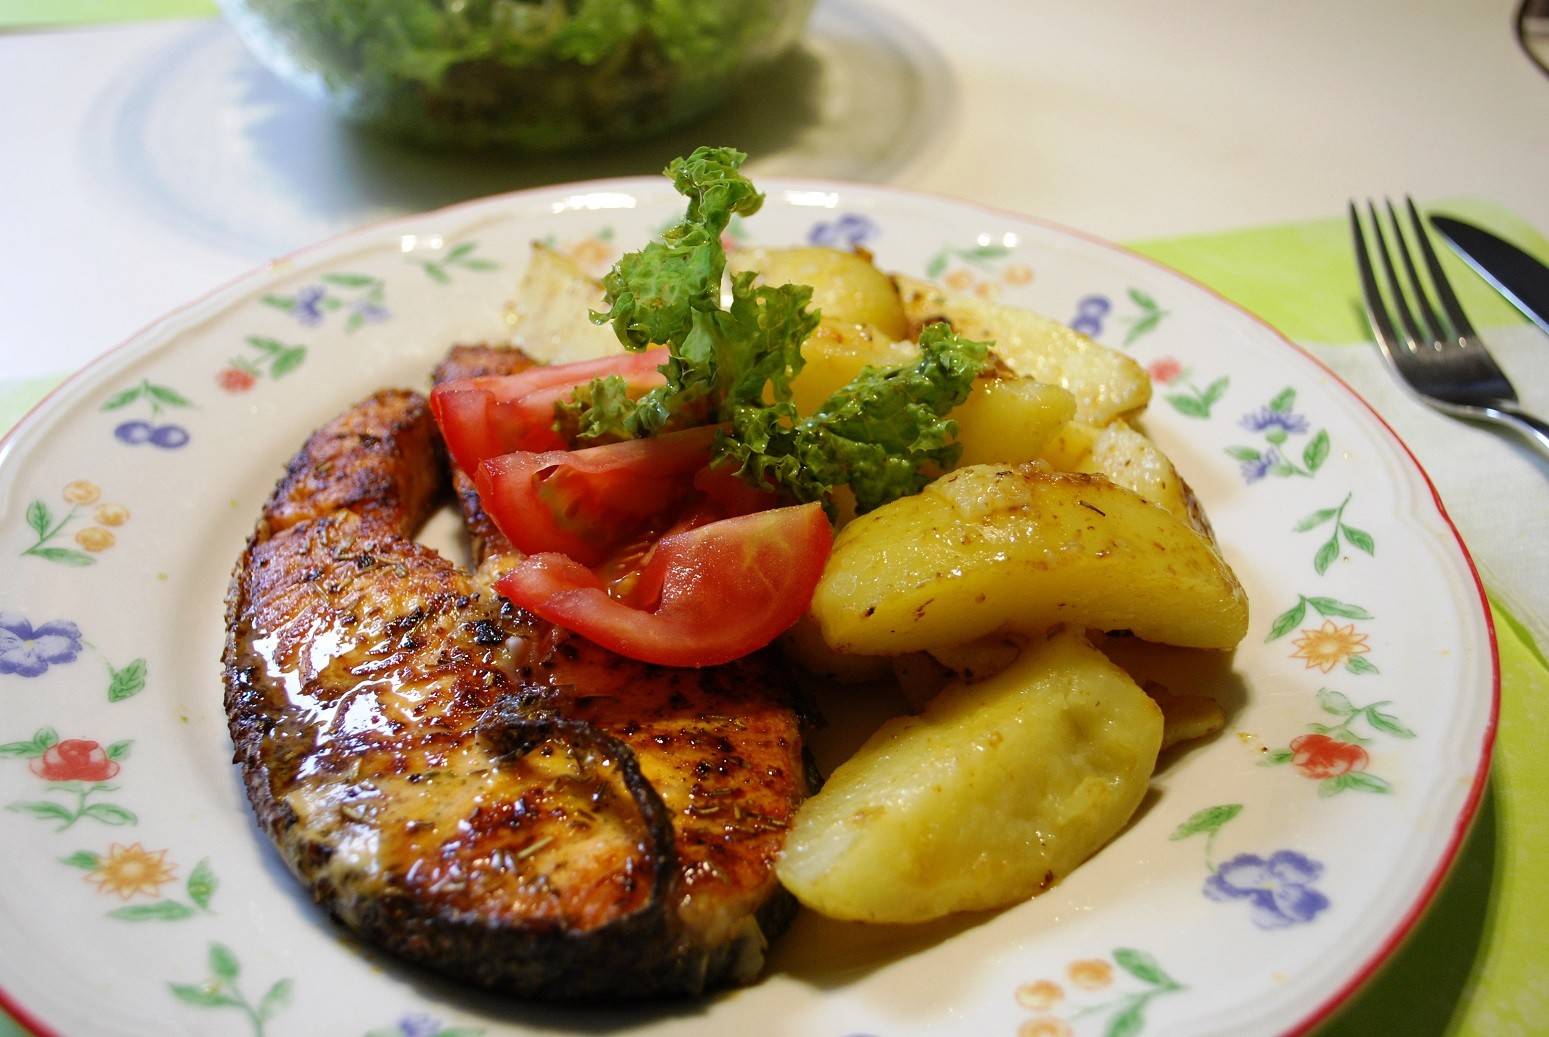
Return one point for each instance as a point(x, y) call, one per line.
point(803, 644)
point(550, 308)
point(990, 549)
point(1105, 383)
point(919, 677)
point(1010, 420)
point(1069, 446)
point(1186, 717)
point(838, 351)
point(1129, 459)
point(998, 790)
point(1003, 421)
point(845, 285)
point(981, 659)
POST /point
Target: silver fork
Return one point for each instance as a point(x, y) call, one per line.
point(1446, 367)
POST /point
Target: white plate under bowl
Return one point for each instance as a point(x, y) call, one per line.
point(1272, 869)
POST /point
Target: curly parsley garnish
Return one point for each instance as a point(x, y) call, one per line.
point(884, 435)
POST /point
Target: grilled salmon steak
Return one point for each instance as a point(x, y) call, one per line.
point(475, 789)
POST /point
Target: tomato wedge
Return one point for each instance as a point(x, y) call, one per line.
point(726, 589)
point(584, 503)
point(493, 415)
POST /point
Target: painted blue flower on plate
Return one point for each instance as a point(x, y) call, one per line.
point(1279, 889)
point(29, 651)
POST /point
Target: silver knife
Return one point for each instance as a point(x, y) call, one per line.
point(1523, 280)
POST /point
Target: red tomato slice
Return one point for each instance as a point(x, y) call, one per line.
point(584, 503)
point(727, 589)
point(493, 415)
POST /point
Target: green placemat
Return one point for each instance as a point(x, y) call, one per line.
point(1301, 277)
point(38, 14)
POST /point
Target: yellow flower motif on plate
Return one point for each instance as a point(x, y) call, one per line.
point(82, 492)
point(112, 515)
point(1329, 645)
point(94, 538)
point(131, 870)
point(1039, 995)
point(1090, 974)
point(1048, 1026)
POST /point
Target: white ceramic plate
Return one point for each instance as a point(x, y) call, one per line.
point(1272, 869)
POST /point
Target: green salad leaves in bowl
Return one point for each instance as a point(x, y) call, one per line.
point(531, 75)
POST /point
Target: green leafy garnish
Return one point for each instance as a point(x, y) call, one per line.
point(885, 434)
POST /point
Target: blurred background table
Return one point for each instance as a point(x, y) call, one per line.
point(148, 158)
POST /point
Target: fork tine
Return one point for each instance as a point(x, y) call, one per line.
point(1438, 330)
point(1376, 312)
point(1449, 302)
point(1399, 306)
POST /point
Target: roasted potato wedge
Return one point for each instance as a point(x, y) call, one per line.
point(803, 645)
point(1010, 420)
point(1106, 384)
point(1129, 459)
point(996, 791)
point(838, 351)
point(1003, 421)
point(846, 286)
point(550, 309)
point(989, 549)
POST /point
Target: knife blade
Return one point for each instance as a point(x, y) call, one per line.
point(1522, 279)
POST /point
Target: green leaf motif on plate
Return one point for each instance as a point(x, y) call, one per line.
point(63, 556)
point(35, 746)
point(127, 682)
point(1210, 819)
point(109, 814)
point(1288, 620)
point(223, 963)
point(160, 911)
point(351, 280)
point(1335, 702)
point(1325, 556)
point(1316, 452)
point(1360, 540)
point(458, 257)
point(222, 991)
point(1387, 723)
point(45, 810)
point(1316, 519)
point(1333, 607)
point(39, 517)
point(273, 358)
point(202, 884)
point(203, 996)
point(1142, 966)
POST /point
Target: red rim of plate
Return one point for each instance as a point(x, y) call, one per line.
point(1461, 825)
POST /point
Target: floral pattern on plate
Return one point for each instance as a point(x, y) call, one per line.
point(1279, 888)
point(91, 540)
point(1334, 755)
point(358, 296)
point(1277, 423)
point(78, 769)
point(1090, 1003)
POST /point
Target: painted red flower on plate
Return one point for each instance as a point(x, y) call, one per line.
point(74, 759)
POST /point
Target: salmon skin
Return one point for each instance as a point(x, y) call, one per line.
point(472, 788)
